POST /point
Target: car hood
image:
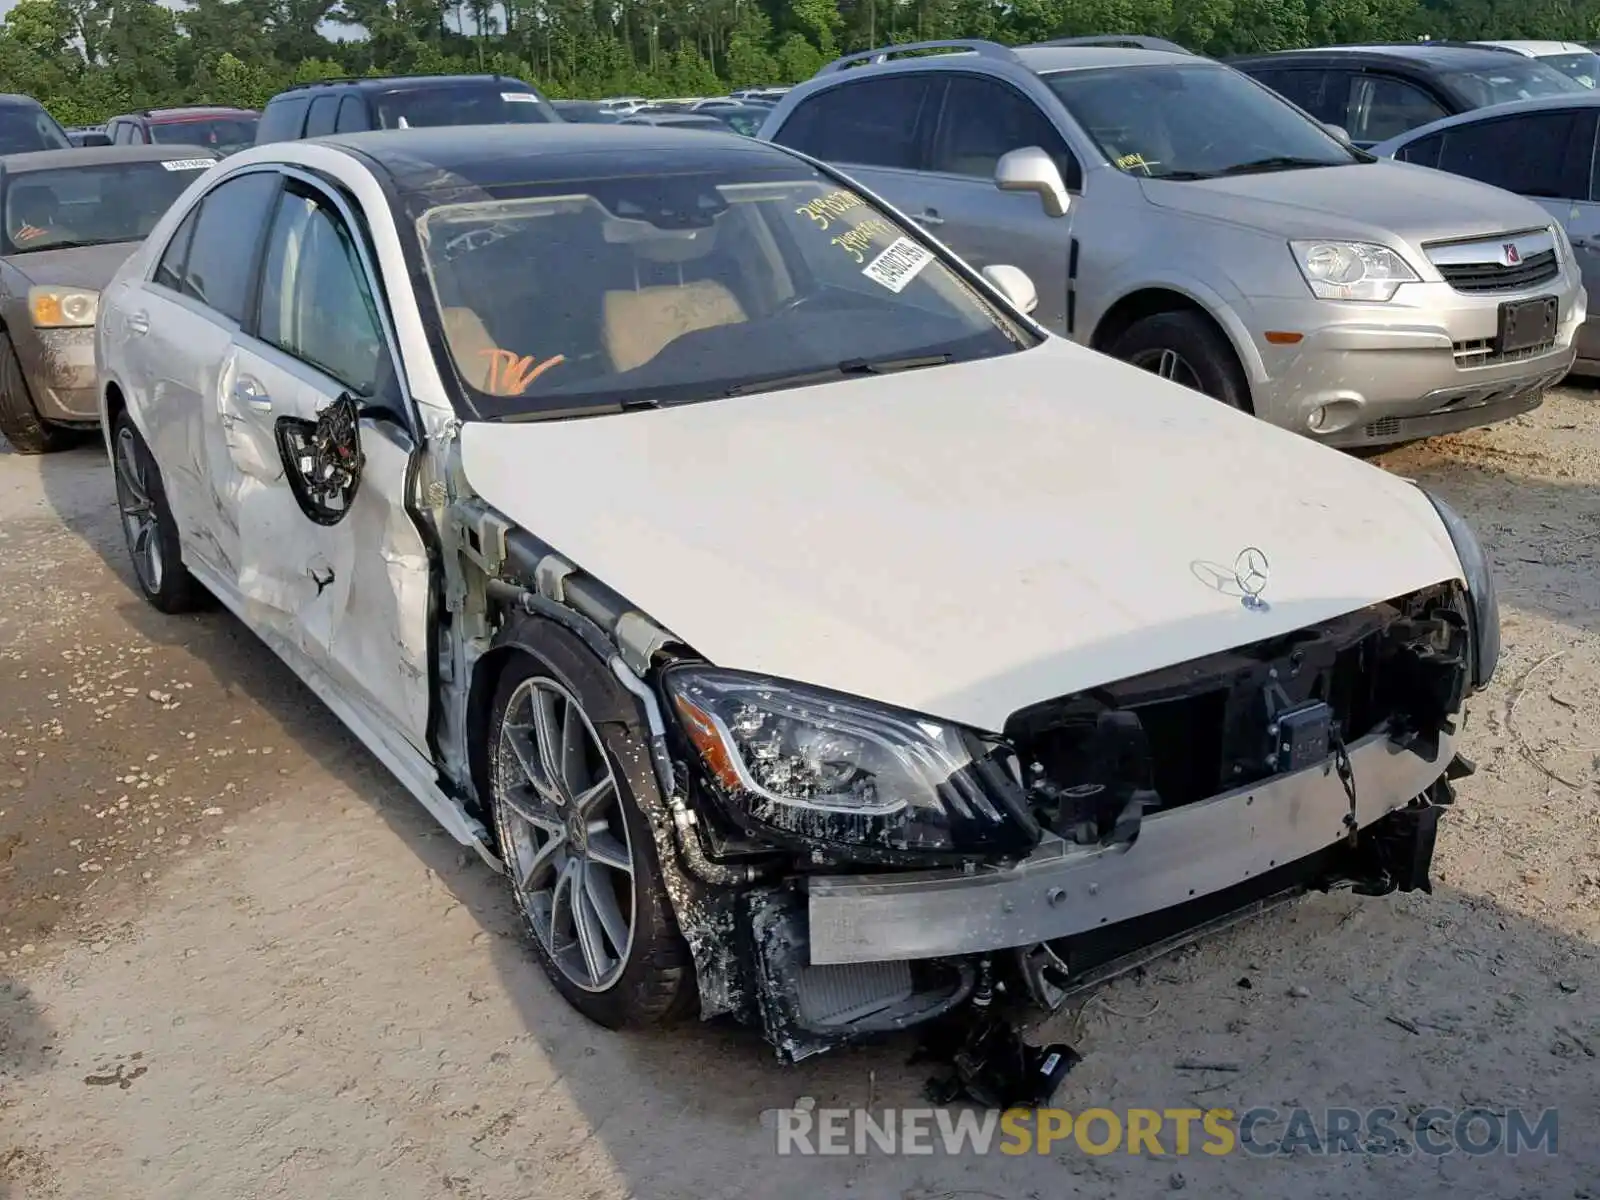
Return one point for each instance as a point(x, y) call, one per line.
point(77, 266)
point(1373, 201)
point(962, 540)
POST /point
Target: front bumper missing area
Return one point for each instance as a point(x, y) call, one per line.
point(1063, 890)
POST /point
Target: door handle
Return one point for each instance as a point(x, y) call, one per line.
point(139, 323)
point(929, 217)
point(250, 394)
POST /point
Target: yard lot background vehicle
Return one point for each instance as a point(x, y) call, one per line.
point(673, 720)
point(1175, 214)
point(1379, 92)
point(26, 126)
point(415, 101)
point(1542, 149)
point(70, 218)
point(219, 129)
point(1570, 58)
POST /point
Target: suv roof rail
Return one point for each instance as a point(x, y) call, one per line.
point(1128, 41)
point(976, 46)
point(1461, 43)
point(332, 79)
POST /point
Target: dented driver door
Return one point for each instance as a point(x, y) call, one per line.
point(346, 588)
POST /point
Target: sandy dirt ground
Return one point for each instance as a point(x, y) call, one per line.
point(235, 961)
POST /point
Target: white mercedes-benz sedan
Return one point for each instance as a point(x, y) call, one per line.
point(808, 635)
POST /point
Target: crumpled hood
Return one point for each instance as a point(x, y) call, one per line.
point(962, 540)
point(1370, 201)
point(78, 266)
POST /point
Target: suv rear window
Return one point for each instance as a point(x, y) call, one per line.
point(24, 127)
point(462, 104)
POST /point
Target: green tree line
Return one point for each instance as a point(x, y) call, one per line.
point(90, 59)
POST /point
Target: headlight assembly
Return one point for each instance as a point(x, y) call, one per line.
point(1352, 270)
point(63, 307)
point(1480, 588)
point(822, 769)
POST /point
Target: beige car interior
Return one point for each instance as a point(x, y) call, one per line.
point(663, 302)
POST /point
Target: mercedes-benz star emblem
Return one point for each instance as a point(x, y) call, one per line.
point(1251, 571)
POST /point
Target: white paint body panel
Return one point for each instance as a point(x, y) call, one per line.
point(962, 540)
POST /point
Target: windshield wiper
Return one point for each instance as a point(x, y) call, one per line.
point(1278, 162)
point(845, 369)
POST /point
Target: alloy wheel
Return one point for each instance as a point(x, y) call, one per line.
point(564, 834)
point(140, 521)
point(1168, 364)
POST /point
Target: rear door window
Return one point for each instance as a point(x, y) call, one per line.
point(352, 115)
point(322, 115)
point(983, 119)
point(282, 119)
point(1385, 106)
point(1302, 86)
point(876, 122)
point(222, 252)
point(1548, 155)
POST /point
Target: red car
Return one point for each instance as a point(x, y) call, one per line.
point(223, 130)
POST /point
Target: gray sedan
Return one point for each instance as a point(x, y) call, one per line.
point(69, 219)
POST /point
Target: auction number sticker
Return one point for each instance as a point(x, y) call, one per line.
point(187, 164)
point(519, 97)
point(898, 265)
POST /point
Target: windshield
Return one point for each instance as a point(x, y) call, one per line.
point(1515, 79)
point(671, 288)
point(24, 128)
point(225, 135)
point(1193, 122)
point(461, 104)
point(1584, 65)
point(86, 206)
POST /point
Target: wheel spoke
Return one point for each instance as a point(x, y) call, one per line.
point(586, 923)
point(592, 799)
point(543, 859)
point(1168, 366)
point(527, 755)
point(571, 749)
point(606, 909)
point(130, 474)
point(607, 851)
point(547, 739)
point(530, 810)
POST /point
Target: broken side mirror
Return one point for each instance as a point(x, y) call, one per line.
point(1013, 283)
point(322, 459)
point(1030, 169)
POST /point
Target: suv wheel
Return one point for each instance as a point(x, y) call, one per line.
point(1186, 348)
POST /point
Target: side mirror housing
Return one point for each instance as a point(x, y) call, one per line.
point(1013, 283)
point(1030, 169)
point(1338, 131)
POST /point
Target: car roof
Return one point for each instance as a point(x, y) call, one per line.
point(91, 156)
point(1538, 49)
point(18, 100)
point(1472, 116)
point(1044, 59)
point(1421, 54)
point(186, 111)
point(422, 159)
point(371, 82)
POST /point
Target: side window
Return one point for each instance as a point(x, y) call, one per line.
point(1545, 154)
point(983, 119)
point(1424, 151)
point(321, 118)
point(1382, 107)
point(315, 302)
point(1302, 87)
point(282, 119)
point(352, 114)
point(874, 122)
point(223, 249)
point(169, 271)
point(119, 133)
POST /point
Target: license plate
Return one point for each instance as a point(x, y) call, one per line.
point(1525, 323)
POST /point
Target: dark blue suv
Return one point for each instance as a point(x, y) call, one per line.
point(400, 102)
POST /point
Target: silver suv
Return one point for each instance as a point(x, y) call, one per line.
point(1177, 214)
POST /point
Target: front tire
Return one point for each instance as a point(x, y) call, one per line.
point(20, 422)
point(580, 854)
point(147, 524)
point(1188, 349)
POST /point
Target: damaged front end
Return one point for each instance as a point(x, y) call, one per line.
point(899, 868)
point(841, 869)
